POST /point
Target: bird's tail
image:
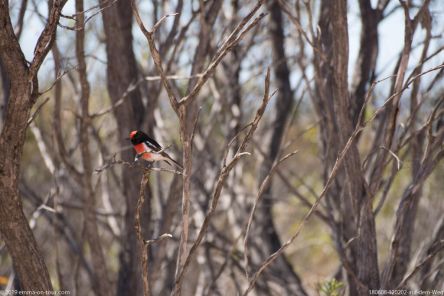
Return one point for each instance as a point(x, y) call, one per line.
point(171, 159)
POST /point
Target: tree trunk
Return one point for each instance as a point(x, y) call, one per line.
point(121, 72)
point(5, 85)
point(356, 235)
point(368, 53)
point(267, 233)
point(23, 92)
point(100, 280)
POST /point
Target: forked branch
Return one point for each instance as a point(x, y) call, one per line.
point(223, 174)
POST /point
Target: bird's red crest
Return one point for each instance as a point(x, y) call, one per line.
point(132, 134)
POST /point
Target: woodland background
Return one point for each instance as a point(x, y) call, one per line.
point(311, 135)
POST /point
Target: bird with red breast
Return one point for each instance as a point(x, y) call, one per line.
point(148, 149)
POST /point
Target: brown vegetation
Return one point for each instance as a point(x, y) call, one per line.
point(307, 171)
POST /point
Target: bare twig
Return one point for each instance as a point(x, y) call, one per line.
point(85, 18)
point(143, 247)
point(149, 34)
point(46, 39)
point(297, 24)
point(158, 239)
point(418, 267)
point(304, 220)
point(37, 111)
point(43, 148)
point(228, 44)
point(125, 95)
point(330, 178)
point(115, 161)
point(173, 77)
point(262, 188)
point(226, 169)
point(398, 161)
point(57, 123)
point(18, 29)
point(58, 78)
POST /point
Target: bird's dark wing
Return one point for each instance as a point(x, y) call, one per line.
point(151, 143)
point(170, 158)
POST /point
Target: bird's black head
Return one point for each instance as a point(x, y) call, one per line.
point(137, 137)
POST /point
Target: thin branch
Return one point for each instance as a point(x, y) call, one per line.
point(262, 188)
point(47, 37)
point(418, 267)
point(140, 164)
point(162, 19)
point(398, 161)
point(37, 111)
point(149, 34)
point(43, 148)
point(19, 25)
point(226, 169)
point(297, 24)
point(143, 247)
point(125, 95)
point(158, 239)
point(59, 77)
point(307, 216)
point(173, 77)
point(330, 178)
point(86, 18)
point(229, 43)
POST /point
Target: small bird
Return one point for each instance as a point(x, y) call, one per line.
point(148, 149)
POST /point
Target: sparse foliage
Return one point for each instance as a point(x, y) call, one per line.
point(311, 143)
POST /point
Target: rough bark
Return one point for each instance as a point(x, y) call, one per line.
point(368, 52)
point(436, 244)
point(5, 86)
point(357, 227)
point(23, 92)
point(401, 244)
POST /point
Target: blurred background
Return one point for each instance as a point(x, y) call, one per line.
point(366, 71)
